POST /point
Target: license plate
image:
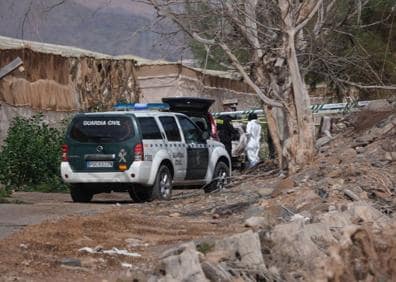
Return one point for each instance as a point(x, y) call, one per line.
point(94, 164)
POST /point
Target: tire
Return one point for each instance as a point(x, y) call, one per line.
point(80, 194)
point(221, 171)
point(140, 194)
point(161, 190)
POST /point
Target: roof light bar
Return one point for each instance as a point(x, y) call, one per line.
point(140, 106)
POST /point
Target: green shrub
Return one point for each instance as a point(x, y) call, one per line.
point(4, 192)
point(30, 156)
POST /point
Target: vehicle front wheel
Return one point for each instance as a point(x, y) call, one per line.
point(80, 194)
point(220, 178)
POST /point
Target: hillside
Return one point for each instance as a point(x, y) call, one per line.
point(113, 27)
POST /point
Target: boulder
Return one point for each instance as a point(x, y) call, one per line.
point(300, 242)
point(243, 249)
point(215, 272)
point(257, 222)
point(180, 264)
point(265, 192)
point(322, 141)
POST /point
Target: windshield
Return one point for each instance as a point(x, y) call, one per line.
point(101, 129)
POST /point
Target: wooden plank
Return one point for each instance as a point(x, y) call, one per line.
point(10, 67)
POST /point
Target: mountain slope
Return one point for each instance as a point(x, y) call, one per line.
point(112, 27)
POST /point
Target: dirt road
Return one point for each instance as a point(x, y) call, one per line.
point(52, 229)
point(32, 208)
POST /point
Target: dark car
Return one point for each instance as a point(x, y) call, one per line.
point(197, 109)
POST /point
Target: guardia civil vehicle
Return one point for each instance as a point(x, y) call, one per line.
point(143, 152)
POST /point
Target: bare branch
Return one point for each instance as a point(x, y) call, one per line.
point(309, 17)
point(25, 18)
point(166, 12)
point(361, 86)
point(53, 6)
point(247, 79)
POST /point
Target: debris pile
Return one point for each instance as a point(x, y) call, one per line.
point(332, 221)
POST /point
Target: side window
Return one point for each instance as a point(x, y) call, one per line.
point(171, 130)
point(191, 132)
point(149, 127)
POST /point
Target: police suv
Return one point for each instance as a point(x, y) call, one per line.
point(143, 152)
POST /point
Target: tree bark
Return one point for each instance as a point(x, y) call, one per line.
point(274, 132)
point(298, 147)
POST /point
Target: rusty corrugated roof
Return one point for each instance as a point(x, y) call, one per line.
point(70, 51)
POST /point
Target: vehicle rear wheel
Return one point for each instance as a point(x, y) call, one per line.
point(161, 190)
point(80, 194)
point(220, 177)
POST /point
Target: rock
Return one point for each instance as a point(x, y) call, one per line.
point(364, 212)
point(302, 243)
point(180, 264)
point(256, 222)
point(359, 258)
point(243, 249)
point(390, 156)
point(300, 217)
point(322, 141)
point(215, 272)
point(360, 150)
point(175, 214)
point(355, 212)
point(351, 195)
point(71, 262)
point(379, 106)
point(265, 192)
point(216, 256)
point(389, 147)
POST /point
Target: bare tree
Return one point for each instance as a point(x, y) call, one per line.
point(284, 40)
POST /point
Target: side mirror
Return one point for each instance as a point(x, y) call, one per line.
point(205, 135)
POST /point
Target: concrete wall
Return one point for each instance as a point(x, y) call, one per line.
point(8, 113)
point(158, 81)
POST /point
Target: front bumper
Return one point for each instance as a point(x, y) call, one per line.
point(138, 172)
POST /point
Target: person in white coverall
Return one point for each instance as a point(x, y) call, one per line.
point(253, 131)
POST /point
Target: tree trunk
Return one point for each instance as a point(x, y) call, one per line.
point(300, 121)
point(274, 131)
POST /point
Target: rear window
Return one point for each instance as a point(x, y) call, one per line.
point(149, 128)
point(202, 123)
point(101, 129)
